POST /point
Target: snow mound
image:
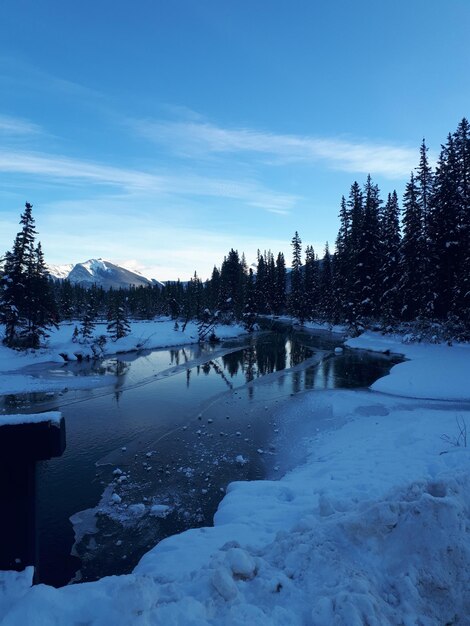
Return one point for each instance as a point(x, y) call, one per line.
point(437, 372)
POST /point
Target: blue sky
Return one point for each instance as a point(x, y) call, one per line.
point(160, 134)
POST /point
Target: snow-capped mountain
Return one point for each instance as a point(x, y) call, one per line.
point(99, 272)
point(60, 271)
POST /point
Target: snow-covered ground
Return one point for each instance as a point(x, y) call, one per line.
point(149, 335)
point(373, 528)
point(53, 417)
point(309, 325)
point(435, 371)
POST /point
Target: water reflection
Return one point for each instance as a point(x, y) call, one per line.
point(351, 369)
point(266, 357)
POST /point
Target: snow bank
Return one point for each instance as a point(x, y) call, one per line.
point(371, 529)
point(144, 335)
point(36, 418)
point(159, 333)
point(309, 325)
point(438, 372)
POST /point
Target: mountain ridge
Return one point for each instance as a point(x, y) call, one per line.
point(101, 273)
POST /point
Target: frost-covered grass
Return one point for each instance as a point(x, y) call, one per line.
point(372, 528)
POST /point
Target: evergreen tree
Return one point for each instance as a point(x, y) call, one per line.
point(424, 184)
point(214, 289)
point(249, 312)
point(193, 304)
point(27, 308)
point(368, 258)
point(261, 287)
point(88, 324)
point(462, 152)
point(413, 254)
point(271, 280)
point(231, 286)
point(41, 309)
point(65, 299)
point(390, 268)
point(342, 275)
point(118, 324)
point(352, 251)
point(280, 284)
point(444, 232)
point(310, 283)
point(297, 292)
point(14, 281)
point(326, 286)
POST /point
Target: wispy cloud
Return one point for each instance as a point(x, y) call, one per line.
point(192, 138)
point(14, 126)
point(120, 229)
point(66, 169)
point(22, 74)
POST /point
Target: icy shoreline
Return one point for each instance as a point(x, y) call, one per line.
point(160, 333)
point(372, 528)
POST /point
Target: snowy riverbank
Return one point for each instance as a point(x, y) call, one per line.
point(149, 335)
point(436, 371)
point(371, 529)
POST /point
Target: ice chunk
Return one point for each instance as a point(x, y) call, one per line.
point(159, 510)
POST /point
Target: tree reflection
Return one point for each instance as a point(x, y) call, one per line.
point(262, 357)
point(118, 368)
point(298, 353)
point(310, 377)
point(250, 364)
point(296, 381)
point(233, 362)
point(327, 372)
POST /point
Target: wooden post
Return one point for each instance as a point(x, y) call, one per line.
point(24, 440)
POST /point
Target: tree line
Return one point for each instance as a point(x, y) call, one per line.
point(389, 265)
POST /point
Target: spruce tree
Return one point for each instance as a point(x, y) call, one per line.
point(42, 312)
point(118, 325)
point(214, 290)
point(413, 254)
point(249, 312)
point(368, 252)
point(280, 284)
point(424, 183)
point(261, 287)
point(444, 233)
point(326, 305)
point(462, 152)
point(390, 268)
point(27, 308)
point(342, 274)
point(231, 286)
point(297, 292)
point(354, 245)
point(88, 324)
point(271, 280)
point(311, 283)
